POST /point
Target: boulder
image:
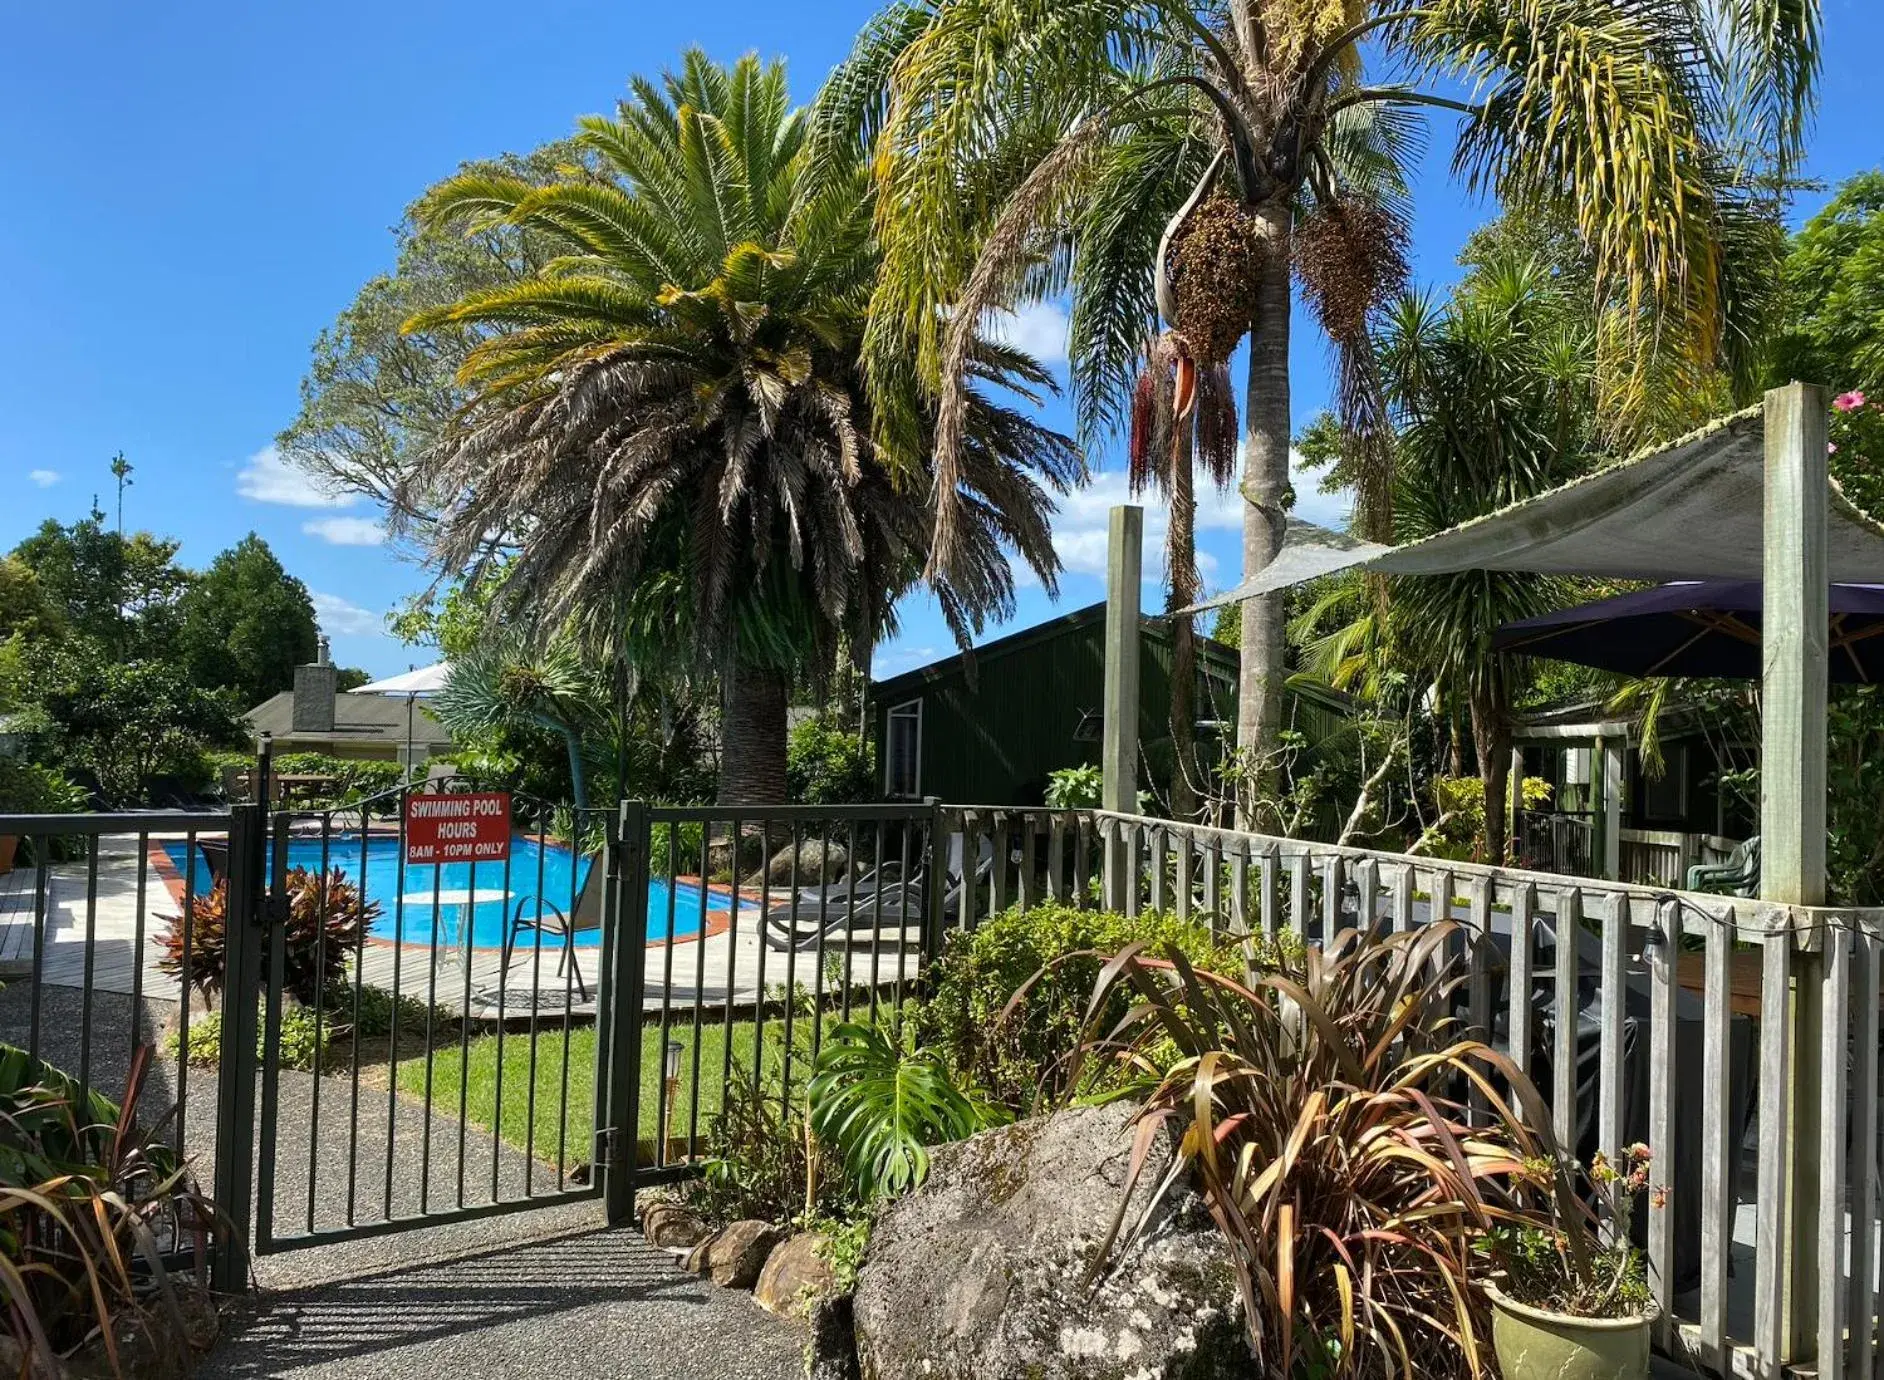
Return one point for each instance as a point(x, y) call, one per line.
point(734, 1256)
point(795, 1275)
point(982, 1271)
point(669, 1224)
point(817, 864)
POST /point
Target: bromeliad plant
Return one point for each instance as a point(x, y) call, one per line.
point(1322, 1112)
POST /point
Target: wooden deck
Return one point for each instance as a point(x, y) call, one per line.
point(16, 922)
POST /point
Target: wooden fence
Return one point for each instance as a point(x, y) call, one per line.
point(1677, 1038)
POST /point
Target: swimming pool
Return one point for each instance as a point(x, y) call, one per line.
point(550, 872)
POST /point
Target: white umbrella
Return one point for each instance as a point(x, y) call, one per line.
point(416, 684)
point(423, 680)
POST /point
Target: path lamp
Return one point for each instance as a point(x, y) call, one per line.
point(670, 1089)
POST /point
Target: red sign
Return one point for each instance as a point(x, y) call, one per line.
point(458, 828)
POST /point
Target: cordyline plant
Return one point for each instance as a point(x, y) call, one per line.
point(328, 921)
point(1322, 1113)
point(89, 1204)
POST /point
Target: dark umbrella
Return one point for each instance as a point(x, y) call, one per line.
point(1704, 628)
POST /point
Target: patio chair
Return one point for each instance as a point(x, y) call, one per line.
point(1738, 876)
point(215, 858)
point(583, 916)
point(817, 914)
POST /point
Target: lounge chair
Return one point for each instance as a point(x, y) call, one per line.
point(1738, 876)
point(549, 918)
point(215, 858)
point(817, 914)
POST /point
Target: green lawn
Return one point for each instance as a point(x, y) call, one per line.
point(545, 1130)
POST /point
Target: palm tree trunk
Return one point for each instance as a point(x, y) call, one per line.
point(1491, 738)
point(1265, 482)
point(752, 737)
point(1181, 557)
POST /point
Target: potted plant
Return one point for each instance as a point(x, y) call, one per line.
point(1565, 1305)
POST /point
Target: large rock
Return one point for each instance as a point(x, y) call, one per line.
point(795, 1276)
point(670, 1224)
point(982, 1271)
point(733, 1257)
point(818, 862)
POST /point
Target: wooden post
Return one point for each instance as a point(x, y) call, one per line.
point(1792, 797)
point(1125, 555)
point(1514, 815)
point(1610, 766)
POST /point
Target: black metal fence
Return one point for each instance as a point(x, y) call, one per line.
point(356, 1044)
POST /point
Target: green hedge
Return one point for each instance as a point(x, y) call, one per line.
point(1018, 1058)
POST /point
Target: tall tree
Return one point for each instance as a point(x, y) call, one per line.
point(246, 623)
point(375, 395)
point(678, 396)
point(121, 592)
point(1031, 146)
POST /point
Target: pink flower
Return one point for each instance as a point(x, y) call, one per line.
point(1849, 402)
point(1831, 447)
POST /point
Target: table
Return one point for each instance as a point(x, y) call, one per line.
point(457, 902)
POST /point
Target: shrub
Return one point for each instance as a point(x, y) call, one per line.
point(1018, 1053)
point(1556, 1260)
point(1074, 788)
point(827, 765)
point(354, 778)
point(1319, 1111)
point(84, 1199)
point(329, 906)
point(880, 1103)
point(337, 1029)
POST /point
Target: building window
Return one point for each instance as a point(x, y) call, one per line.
point(1665, 797)
point(902, 751)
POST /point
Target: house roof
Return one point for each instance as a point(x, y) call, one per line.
point(357, 719)
point(947, 667)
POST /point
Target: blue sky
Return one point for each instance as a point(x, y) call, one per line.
point(199, 188)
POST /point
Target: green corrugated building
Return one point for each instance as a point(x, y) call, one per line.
point(1034, 707)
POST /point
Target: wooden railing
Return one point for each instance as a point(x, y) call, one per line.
point(1678, 1037)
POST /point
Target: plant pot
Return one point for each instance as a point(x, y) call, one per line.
point(9, 845)
point(1533, 1344)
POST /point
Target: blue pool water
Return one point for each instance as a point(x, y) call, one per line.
point(549, 872)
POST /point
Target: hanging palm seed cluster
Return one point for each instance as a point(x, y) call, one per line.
point(1215, 268)
point(1350, 257)
point(1216, 271)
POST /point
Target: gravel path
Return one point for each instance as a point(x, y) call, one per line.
point(549, 1292)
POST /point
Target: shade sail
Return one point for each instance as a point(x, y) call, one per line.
point(1704, 628)
point(1691, 510)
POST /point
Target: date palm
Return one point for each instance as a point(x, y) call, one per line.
point(1028, 148)
point(676, 402)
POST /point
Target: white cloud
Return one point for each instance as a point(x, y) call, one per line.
point(346, 531)
point(894, 659)
point(44, 478)
point(267, 478)
point(340, 618)
point(1080, 529)
point(1039, 329)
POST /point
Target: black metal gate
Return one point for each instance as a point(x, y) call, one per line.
point(450, 1068)
point(575, 1033)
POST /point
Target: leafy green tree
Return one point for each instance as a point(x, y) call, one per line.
point(121, 592)
point(1026, 148)
point(1833, 333)
point(667, 426)
point(27, 611)
point(125, 722)
point(245, 624)
point(376, 394)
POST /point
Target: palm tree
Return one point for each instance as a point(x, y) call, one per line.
point(675, 402)
point(1495, 397)
point(1032, 147)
